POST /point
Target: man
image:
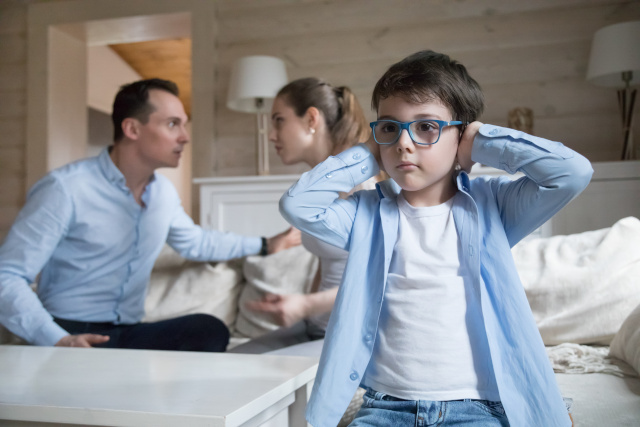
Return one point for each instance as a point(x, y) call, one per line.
point(94, 228)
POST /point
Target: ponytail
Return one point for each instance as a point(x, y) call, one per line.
point(351, 126)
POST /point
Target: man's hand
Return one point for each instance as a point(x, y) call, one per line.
point(285, 240)
point(82, 340)
point(285, 309)
point(466, 145)
point(375, 150)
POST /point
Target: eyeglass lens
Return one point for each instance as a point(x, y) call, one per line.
point(422, 131)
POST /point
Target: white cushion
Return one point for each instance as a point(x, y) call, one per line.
point(179, 287)
point(626, 343)
point(581, 287)
point(286, 272)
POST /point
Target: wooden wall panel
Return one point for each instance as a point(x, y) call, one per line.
point(13, 48)
point(523, 54)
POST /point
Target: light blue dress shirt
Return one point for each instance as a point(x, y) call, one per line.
point(94, 247)
point(491, 215)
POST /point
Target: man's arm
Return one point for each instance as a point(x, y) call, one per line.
point(198, 244)
point(34, 236)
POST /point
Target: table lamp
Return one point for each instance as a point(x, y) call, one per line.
point(255, 81)
point(615, 62)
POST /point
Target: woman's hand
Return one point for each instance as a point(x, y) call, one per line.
point(465, 146)
point(285, 240)
point(285, 309)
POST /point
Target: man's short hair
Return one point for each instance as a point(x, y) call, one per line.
point(133, 101)
point(426, 76)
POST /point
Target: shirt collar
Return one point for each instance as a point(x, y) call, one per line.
point(111, 171)
point(390, 189)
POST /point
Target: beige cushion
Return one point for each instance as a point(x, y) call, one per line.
point(286, 272)
point(626, 343)
point(178, 287)
point(581, 287)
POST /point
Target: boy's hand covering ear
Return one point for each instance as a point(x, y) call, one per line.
point(466, 145)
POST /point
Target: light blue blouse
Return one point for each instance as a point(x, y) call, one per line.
point(491, 216)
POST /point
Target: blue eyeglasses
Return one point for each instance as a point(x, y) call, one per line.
point(421, 132)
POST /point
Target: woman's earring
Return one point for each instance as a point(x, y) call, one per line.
point(312, 131)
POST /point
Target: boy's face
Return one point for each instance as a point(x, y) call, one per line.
point(425, 172)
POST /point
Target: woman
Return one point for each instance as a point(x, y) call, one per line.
point(311, 120)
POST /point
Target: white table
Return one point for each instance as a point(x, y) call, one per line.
point(49, 386)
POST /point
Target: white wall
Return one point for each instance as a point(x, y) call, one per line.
point(106, 73)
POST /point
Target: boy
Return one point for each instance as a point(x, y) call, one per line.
point(431, 317)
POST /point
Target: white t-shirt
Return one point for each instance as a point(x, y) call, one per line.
point(431, 322)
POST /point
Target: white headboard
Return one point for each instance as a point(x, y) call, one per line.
point(249, 204)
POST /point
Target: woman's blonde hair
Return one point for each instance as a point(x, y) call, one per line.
point(341, 110)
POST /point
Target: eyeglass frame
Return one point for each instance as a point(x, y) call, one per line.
point(405, 125)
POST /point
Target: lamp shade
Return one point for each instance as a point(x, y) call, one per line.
point(255, 81)
point(615, 49)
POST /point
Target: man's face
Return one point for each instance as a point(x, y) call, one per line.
point(423, 171)
point(161, 140)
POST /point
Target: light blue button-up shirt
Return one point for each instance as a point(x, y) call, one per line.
point(95, 246)
point(491, 215)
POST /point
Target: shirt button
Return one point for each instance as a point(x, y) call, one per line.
point(364, 169)
point(353, 376)
point(494, 132)
point(328, 176)
point(470, 250)
point(356, 156)
point(368, 337)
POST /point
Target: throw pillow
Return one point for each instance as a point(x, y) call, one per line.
point(179, 287)
point(581, 287)
point(626, 343)
point(286, 272)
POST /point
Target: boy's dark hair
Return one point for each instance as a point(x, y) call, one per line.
point(428, 75)
point(133, 101)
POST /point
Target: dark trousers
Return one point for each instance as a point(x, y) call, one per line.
point(195, 332)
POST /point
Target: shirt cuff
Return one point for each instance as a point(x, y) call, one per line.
point(49, 334)
point(361, 164)
point(252, 245)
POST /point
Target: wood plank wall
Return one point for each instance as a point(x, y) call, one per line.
point(524, 53)
point(13, 110)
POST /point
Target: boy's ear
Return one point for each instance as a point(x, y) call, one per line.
point(130, 128)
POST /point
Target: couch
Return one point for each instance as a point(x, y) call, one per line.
point(584, 291)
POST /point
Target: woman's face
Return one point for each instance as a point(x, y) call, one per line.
point(291, 134)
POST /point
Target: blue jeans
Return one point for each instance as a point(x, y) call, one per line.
point(379, 409)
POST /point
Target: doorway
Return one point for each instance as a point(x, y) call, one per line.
point(59, 34)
